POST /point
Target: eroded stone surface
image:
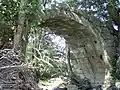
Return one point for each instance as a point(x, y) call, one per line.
point(90, 43)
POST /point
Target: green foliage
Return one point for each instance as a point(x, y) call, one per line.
point(8, 19)
point(9, 11)
point(41, 53)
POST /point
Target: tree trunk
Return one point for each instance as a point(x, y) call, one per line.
point(21, 27)
point(14, 75)
point(24, 40)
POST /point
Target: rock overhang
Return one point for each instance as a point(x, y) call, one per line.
point(81, 35)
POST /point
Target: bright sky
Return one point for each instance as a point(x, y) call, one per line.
point(59, 41)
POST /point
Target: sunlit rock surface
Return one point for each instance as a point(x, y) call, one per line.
point(91, 44)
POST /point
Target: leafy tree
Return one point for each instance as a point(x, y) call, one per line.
point(43, 53)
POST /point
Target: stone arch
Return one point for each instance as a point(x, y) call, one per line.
point(87, 42)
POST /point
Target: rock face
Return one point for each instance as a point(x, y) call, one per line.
point(91, 44)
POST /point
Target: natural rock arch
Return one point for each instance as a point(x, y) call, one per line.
point(91, 44)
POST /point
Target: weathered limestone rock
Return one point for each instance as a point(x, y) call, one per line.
point(92, 46)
